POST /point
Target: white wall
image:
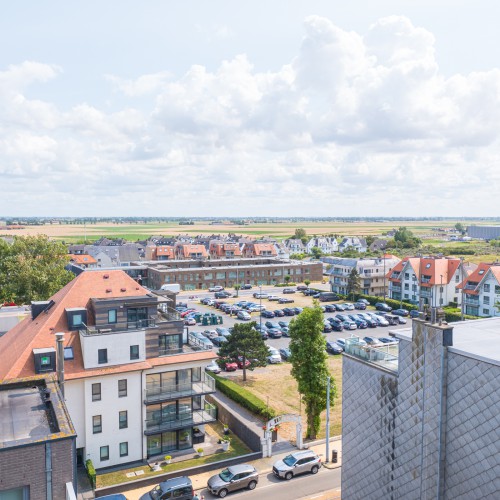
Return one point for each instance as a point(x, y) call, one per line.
point(117, 344)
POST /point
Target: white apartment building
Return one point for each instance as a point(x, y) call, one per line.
point(134, 386)
point(482, 291)
point(325, 244)
point(428, 281)
point(372, 272)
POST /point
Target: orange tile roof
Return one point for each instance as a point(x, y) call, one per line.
point(16, 346)
point(479, 274)
point(82, 259)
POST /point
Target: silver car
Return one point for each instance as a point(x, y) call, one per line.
point(233, 478)
point(297, 463)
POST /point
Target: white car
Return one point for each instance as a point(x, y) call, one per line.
point(243, 315)
point(273, 297)
point(213, 367)
point(274, 355)
point(256, 308)
point(217, 288)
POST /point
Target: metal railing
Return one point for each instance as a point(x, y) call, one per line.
point(470, 286)
point(157, 392)
point(88, 331)
point(191, 418)
point(472, 299)
point(424, 292)
point(385, 356)
point(425, 280)
point(396, 288)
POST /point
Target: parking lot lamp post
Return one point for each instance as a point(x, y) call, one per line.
point(260, 312)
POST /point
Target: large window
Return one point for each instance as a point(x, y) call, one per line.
point(136, 317)
point(134, 352)
point(104, 453)
point(122, 388)
point(123, 419)
point(102, 356)
point(96, 392)
point(112, 316)
point(169, 344)
point(96, 424)
point(123, 449)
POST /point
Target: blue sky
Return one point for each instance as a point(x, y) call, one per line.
point(280, 108)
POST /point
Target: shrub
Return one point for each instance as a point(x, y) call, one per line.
point(91, 472)
point(243, 397)
point(285, 284)
point(395, 304)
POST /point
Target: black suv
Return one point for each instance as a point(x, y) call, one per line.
point(382, 306)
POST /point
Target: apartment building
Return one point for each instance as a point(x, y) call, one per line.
point(420, 419)
point(193, 275)
point(189, 251)
point(224, 250)
point(431, 281)
point(325, 244)
point(481, 291)
point(372, 273)
point(259, 250)
point(134, 383)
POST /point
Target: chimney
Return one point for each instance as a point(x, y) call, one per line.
point(60, 360)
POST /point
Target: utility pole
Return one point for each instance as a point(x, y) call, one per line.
point(327, 419)
point(462, 290)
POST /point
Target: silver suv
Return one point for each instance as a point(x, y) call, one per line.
point(297, 463)
point(233, 478)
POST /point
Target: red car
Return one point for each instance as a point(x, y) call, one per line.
point(240, 363)
point(230, 366)
point(188, 311)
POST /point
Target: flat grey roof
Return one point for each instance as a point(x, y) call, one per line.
point(479, 339)
point(23, 415)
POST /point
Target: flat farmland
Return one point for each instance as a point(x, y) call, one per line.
point(279, 230)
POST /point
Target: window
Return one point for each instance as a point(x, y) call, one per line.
point(481, 272)
point(134, 352)
point(441, 301)
point(122, 388)
point(407, 286)
point(96, 392)
point(486, 287)
point(457, 278)
point(407, 276)
point(68, 353)
point(104, 453)
point(102, 355)
point(169, 344)
point(486, 311)
point(497, 289)
point(123, 419)
point(96, 424)
point(112, 316)
point(486, 300)
point(441, 289)
point(45, 361)
point(427, 266)
point(123, 449)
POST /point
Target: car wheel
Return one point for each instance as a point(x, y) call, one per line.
point(252, 485)
point(288, 476)
point(222, 493)
point(315, 470)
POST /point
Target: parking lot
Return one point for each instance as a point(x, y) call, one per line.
point(300, 300)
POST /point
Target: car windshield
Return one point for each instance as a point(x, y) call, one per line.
point(289, 460)
point(156, 492)
point(226, 475)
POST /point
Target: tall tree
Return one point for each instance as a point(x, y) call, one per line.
point(237, 287)
point(316, 252)
point(309, 367)
point(460, 228)
point(353, 282)
point(245, 343)
point(300, 234)
point(32, 268)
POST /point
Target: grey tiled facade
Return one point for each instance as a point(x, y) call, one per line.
point(429, 431)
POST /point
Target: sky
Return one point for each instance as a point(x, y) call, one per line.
point(229, 109)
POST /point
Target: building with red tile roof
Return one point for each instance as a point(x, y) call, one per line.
point(188, 251)
point(224, 250)
point(83, 260)
point(127, 363)
point(429, 281)
point(259, 250)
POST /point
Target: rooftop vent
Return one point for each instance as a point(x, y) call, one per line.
point(105, 277)
point(123, 289)
point(108, 290)
point(37, 307)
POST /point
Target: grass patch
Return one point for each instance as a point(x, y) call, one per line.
point(236, 449)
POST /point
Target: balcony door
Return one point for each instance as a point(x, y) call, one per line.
point(136, 317)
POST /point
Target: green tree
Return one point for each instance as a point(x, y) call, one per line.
point(32, 268)
point(237, 287)
point(309, 366)
point(307, 283)
point(316, 252)
point(460, 228)
point(287, 279)
point(353, 282)
point(300, 234)
point(245, 343)
point(404, 238)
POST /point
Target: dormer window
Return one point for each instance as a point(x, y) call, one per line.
point(45, 360)
point(76, 317)
point(427, 266)
point(481, 272)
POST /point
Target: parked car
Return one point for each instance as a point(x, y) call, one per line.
point(372, 323)
point(274, 355)
point(222, 295)
point(267, 314)
point(186, 312)
point(289, 311)
point(285, 353)
point(364, 301)
point(246, 286)
point(297, 310)
point(379, 319)
point(256, 308)
point(347, 322)
point(282, 323)
point(327, 327)
point(348, 306)
point(414, 313)
point(402, 321)
point(262, 330)
point(360, 323)
point(336, 324)
point(189, 321)
point(285, 331)
point(334, 348)
point(296, 463)
point(239, 362)
point(272, 324)
point(386, 340)
point(230, 366)
point(216, 288)
point(309, 292)
point(327, 297)
point(223, 331)
point(210, 334)
point(244, 316)
point(301, 288)
point(213, 367)
point(218, 341)
point(340, 307)
point(382, 306)
point(401, 312)
point(288, 290)
point(260, 295)
point(371, 341)
point(360, 306)
point(341, 343)
point(278, 313)
point(330, 308)
point(285, 300)
point(392, 319)
point(272, 297)
point(235, 477)
point(179, 488)
point(274, 333)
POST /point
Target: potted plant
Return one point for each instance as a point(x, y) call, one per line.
point(168, 459)
point(225, 444)
point(226, 429)
point(199, 451)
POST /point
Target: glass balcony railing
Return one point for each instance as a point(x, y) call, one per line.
point(386, 356)
point(396, 288)
point(472, 300)
point(189, 418)
point(426, 292)
point(155, 393)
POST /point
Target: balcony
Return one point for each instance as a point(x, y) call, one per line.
point(470, 286)
point(426, 292)
point(385, 357)
point(395, 275)
point(472, 300)
point(158, 393)
point(191, 418)
point(395, 287)
point(134, 325)
point(426, 279)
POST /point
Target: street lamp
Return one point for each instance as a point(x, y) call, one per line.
point(260, 308)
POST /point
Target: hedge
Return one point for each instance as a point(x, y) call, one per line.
point(243, 397)
point(90, 472)
point(395, 304)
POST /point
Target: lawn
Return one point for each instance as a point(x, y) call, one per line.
point(236, 448)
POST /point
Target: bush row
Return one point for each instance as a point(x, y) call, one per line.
point(395, 304)
point(243, 397)
point(90, 472)
point(285, 284)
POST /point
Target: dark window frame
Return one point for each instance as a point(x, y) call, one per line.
point(102, 356)
point(122, 392)
point(115, 311)
point(120, 448)
point(96, 394)
point(106, 456)
point(123, 424)
point(97, 424)
point(134, 355)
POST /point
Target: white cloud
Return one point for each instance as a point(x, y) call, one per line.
point(354, 124)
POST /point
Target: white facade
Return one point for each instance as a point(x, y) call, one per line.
point(326, 245)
